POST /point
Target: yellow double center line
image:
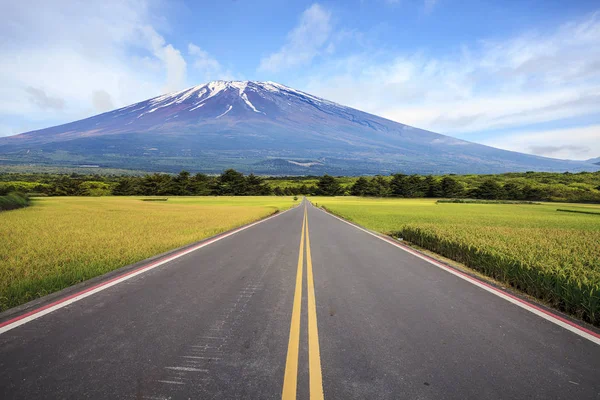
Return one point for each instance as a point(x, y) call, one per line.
point(290, 379)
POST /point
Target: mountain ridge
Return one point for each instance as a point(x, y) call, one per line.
point(594, 161)
point(250, 124)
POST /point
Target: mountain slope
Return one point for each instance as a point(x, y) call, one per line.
point(263, 127)
point(594, 161)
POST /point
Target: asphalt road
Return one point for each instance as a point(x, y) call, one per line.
point(235, 320)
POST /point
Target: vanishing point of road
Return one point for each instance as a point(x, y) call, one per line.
point(301, 305)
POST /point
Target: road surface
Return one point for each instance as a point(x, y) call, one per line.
point(234, 319)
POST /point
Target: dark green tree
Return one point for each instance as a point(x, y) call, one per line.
point(125, 187)
point(360, 187)
point(378, 187)
point(534, 193)
point(255, 186)
point(450, 187)
point(231, 183)
point(512, 191)
point(304, 189)
point(181, 185)
point(398, 185)
point(489, 190)
point(432, 187)
point(201, 185)
point(328, 186)
point(415, 186)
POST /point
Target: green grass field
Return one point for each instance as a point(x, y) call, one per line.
point(61, 241)
point(554, 256)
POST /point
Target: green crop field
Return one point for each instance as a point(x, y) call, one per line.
point(60, 241)
point(551, 255)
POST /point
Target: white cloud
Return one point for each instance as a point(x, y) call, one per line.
point(42, 100)
point(102, 101)
point(74, 50)
point(535, 77)
point(207, 66)
point(202, 59)
point(172, 59)
point(304, 42)
point(579, 143)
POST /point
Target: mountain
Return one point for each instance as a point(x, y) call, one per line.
point(260, 127)
point(593, 161)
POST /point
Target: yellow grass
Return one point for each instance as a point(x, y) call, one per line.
point(60, 241)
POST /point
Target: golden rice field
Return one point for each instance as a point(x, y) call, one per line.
point(554, 256)
point(60, 241)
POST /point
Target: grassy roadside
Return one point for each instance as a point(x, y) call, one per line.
point(61, 241)
point(549, 255)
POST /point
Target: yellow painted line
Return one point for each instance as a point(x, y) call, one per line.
point(290, 379)
point(314, 354)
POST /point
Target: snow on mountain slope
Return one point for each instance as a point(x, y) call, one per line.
point(251, 126)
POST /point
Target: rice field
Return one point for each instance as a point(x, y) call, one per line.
point(553, 256)
point(61, 241)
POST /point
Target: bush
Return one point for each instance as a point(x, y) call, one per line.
point(13, 201)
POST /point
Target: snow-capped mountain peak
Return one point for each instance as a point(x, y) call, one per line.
point(213, 99)
point(264, 126)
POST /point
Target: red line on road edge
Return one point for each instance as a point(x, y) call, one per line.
point(147, 266)
point(468, 277)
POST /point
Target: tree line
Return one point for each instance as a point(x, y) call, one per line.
point(416, 186)
point(526, 186)
point(413, 186)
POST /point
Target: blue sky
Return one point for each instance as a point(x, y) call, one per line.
point(519, 75)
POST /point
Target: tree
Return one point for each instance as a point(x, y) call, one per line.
point(156, 185)
point(533, 193)
point(304, 189)
point(180, 185)
point(255, 186)
point(398, 185)
point(125, 187)
point(512, 191)
point(407, 186)
point(489, 190)
point(200, 185)
point(360, 187)
point(450, 187)
point(231, 183)
point(328, 186)
point(378, 187)
point(432, 187)
point(414, 186)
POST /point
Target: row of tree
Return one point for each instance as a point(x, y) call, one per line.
point(229, 183)
point(413, 186)
point(234, 183)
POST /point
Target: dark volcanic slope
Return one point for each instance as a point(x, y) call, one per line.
point(262, 127)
